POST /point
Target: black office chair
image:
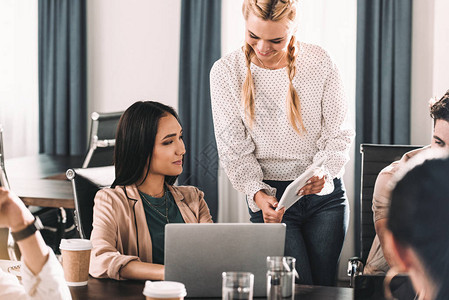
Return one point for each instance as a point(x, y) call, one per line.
point(375, 157)
point(102, 139)
point(85, 184)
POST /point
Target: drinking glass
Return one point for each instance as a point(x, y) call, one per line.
point(280, 277)
point(237, 285)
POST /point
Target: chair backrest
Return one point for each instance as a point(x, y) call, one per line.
point(102, 139)
point(85, 184)
point(375, 157)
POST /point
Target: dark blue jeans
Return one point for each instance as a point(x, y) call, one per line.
point(316, 229)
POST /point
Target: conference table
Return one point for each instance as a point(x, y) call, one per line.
point(40, 179)
point(130, 290)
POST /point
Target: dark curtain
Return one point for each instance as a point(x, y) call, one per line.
point(384, 30)
point(62, 77)
point(200, 48)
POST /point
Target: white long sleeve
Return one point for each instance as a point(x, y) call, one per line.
point(48, 284)
point(271, 149)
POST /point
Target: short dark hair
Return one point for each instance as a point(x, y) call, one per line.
point(440, 109)
point(135, 139)
point(419, 217)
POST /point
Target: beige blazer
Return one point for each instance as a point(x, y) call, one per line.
point(120, 231)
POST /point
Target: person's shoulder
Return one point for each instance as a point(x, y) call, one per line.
point(188, 192)
point(109, 194)
point(229, 61)
point(186, 189)
point(117, 190)
point(235, 56)
point(386, 174)
point(412, 153)
point(315, 56)
point(384, 177)
point(315, 51)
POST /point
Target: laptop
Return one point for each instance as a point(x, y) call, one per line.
point(197, 254)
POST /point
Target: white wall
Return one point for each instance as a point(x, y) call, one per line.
point(333, 25)
point(133, 52)
point(19, 77)
point(441, 48)
point(430, 63)
point(231, 203)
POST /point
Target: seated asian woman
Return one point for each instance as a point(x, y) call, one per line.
point(130, 217)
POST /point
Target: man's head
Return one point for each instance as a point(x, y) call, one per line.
point(439, 111)
point(418, 221)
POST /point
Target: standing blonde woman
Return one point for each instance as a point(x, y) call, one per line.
point(278, 106)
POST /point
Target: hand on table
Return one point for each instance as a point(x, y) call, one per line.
point(268, 205)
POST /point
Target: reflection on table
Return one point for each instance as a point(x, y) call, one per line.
point(130, 289)
point(43, 192)
point(41, 166)
point(40, 179)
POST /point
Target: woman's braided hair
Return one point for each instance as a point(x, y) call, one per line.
point(273, 10)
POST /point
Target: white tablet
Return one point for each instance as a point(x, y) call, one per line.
point(290, 195)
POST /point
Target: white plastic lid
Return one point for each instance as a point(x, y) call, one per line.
point(75, 244)
point(164, 289)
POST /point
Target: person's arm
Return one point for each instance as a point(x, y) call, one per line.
point(381, 230)
point(235, 145)
point(106, 261)
point(336, 134)
point(138, 270)
point(42, 275)
point(381, 203)
point(33, 249)
point(268, 206)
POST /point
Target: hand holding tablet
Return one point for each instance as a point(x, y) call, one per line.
point(290, 195)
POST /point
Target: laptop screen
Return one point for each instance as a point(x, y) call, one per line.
point(197, 254)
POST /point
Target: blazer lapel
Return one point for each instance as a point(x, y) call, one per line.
point(186, 212)
point(143, 234)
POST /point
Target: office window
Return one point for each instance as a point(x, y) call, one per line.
point(19, 77)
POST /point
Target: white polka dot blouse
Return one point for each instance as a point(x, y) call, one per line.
point(271, 149)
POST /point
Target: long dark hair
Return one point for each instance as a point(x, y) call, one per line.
point(134, 141)
point(419, 217)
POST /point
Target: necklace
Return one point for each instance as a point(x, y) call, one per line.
point(271, 68)
point(154, 207)
point(157, 195)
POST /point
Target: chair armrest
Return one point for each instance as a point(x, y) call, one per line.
point(355, 268)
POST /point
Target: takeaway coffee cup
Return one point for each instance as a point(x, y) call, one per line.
point(75, 260)
point(164, 290)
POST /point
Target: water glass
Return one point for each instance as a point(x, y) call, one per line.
point(237, 285)
point(280, 277)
